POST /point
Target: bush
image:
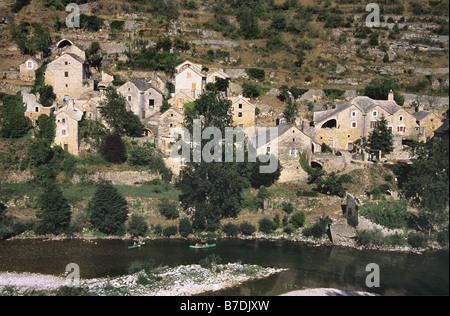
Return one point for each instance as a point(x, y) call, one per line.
point(251, 90)
point(417, 240)
point(113, 149)
point(368, 237)
point(395, 240)
point(170, 231)
point(298, 219)
point(266, 225)
point(287, 207)
point(137, 226)
point(392, 214)
point(256, 73)
point(210, 261)
point(230, 229)
point(289, 229)
point(316, 230)
point(185, 227)
point(168, 210)
point(247, 229)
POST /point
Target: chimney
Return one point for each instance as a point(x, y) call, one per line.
point(391, 95)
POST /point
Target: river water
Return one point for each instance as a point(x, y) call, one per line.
point(308, 266)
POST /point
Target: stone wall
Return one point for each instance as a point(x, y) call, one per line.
point(119, 177)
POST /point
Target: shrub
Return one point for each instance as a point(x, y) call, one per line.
point(442, 238)
point(266, 225)
point(137, 226)
point(170, 231)
point(287, 207)
point(168, 210)
point(395, 240)
point(352, 220)
point(210, 261)
point(392, 214)
point(185, 227)
point(113, 149)
point(417, 240)
point(368, 237)
point(298, 219)
point(251, 90)
point(289, 229)
point(316, 230)
point(247, 229)
point(380, 190)
point(256, 73)
point(230, 229)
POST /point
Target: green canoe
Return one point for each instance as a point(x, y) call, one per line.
point(138, 246)
point(202, 246)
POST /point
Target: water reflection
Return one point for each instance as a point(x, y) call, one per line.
point(308, 266)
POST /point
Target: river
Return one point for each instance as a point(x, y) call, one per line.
point(308, 266)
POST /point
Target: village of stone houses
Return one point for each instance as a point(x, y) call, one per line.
point(89, 114)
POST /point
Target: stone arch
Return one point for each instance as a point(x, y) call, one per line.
point(63, 43)
point(316, 165)
point(330, 124)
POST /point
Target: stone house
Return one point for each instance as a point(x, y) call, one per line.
point(67, 46)
point(244, 115)
point(339, 128)
point(180, 99)
point(189, 79)
point(142, 97)
point(168, 121)
point(287, 144)
point(28, 68)
point(427, 122)
point(34, 108)
point(67, 127)
point(69, 75)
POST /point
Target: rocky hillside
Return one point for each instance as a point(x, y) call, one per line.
point(312, 44)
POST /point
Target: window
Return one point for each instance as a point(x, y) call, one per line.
point(66, 147)
point(36, 109)
point(66, 63)
point(293, 140)
point(293, 152)
point(401, 129)
point(400, 118)
point(373, 124)
point(194, 86)
point(240, 105)
point(129, 98)
point(354, 125)
point(241, 126)
point(240, 114)
point(64, 121)
point(63, 132)
point(353, 114)
point(151, 102)
point(29, 64)
point(143, 114)
point(268, 150)
point(66, 74)
point(375, 113)
point(189, 75)
point(67, 85)
point(390, 128)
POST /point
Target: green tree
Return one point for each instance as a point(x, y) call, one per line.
point(137, 226)
point(47, 128)
point(290, 111)
point(14, 123)
point(108, 210)
point(426, 180)
point(117, 117)
point(185, 227)
point(54, 211)
point(378, 89)
point(381, 137)
point(113, 149)
point(248, 23)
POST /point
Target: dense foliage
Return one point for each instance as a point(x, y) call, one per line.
point(108, 210)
